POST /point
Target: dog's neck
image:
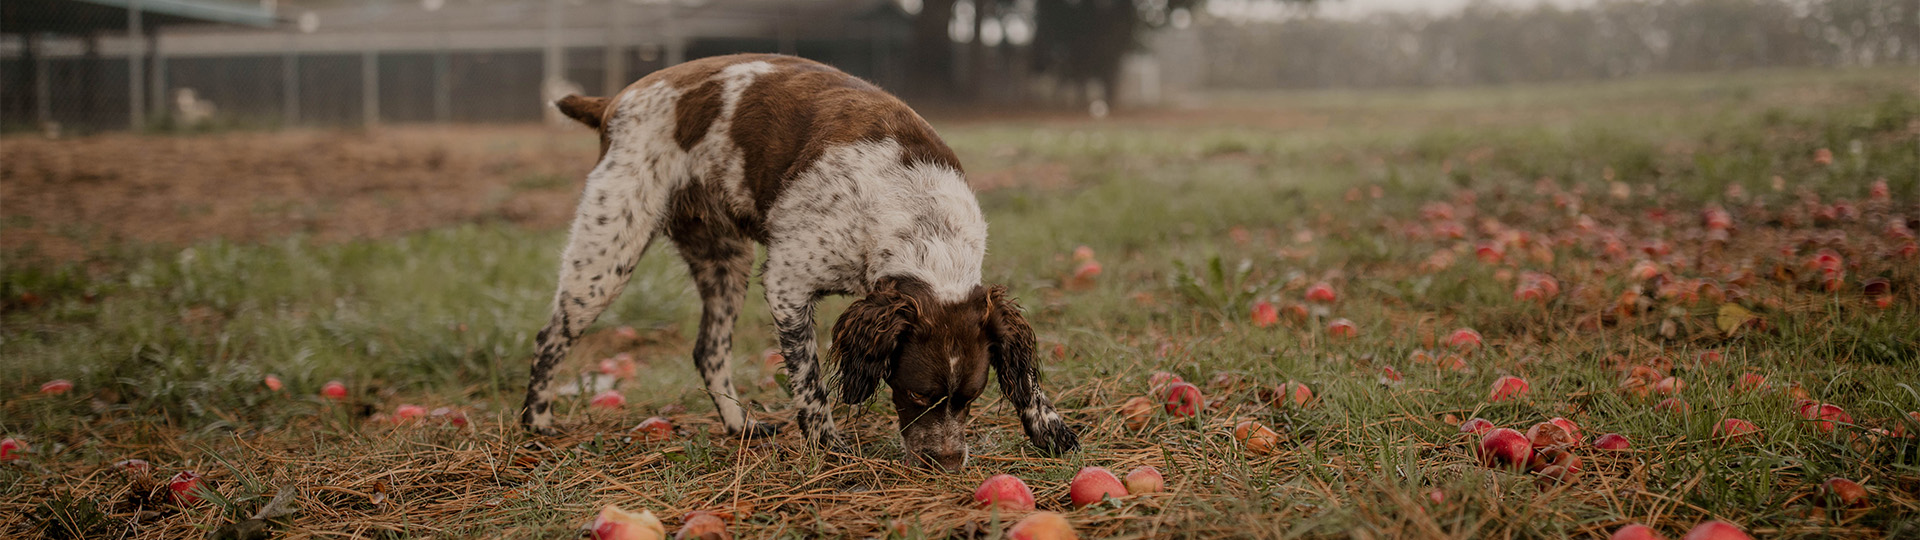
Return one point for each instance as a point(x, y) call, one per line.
point(929, 227)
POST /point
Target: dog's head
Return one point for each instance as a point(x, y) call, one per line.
point(935, 355)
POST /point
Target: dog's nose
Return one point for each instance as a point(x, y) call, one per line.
point(946, 461)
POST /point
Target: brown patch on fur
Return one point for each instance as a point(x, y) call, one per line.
point(695, 112)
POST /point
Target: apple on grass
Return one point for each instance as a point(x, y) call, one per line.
point(703, 526)
point(1844, 491)
point(1144, 479)
point(614, 523)
point(1505, 448)
point(1636, 531)
point(1612, 441)
point(1042, 526)
point(1004, 491)
point(1094, 484)
point(1507, 387)
point(1476, 426)
point(1183, 400)
point(1137, 412)
point(1716, 530)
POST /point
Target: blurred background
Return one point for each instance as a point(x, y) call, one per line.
point(77, 66)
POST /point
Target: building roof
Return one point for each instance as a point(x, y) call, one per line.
point(90, 16)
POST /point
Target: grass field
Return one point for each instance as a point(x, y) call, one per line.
point(1426, 211)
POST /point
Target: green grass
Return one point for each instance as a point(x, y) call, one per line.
point(167, 345)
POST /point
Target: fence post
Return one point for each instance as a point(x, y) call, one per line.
point(615, 72)
point(157, 77)
point(136, 87)
point(553, 64)
point(443, 73)
point(370, 88)
point(290, 82)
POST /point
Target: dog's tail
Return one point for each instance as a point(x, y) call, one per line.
point(584, 109)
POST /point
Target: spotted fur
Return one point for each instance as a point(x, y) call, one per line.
point(851, 193)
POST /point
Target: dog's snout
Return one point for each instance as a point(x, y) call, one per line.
point(950, 461)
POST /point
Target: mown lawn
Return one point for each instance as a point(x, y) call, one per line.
point(1425, 212)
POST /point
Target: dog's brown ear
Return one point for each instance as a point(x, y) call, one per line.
point(1011, 351)
point(584, 109)
point(866, 338)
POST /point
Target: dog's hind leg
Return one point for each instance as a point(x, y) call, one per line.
point(719, 263)
point(619, 212)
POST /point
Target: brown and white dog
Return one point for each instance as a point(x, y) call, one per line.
point(852, 193)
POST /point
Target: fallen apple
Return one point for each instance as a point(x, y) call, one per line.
point(1160, 380)
point(1476, 426)
point(450, 415)
point(1669, 386)
point(1825, 415)
point(1716, 530)
point(703, 526)
point(408, 413)
point(614, 523)
point(1082, 254)
point(1004, 491)
point(1265, 314)
point(1321, 292)
point(1507, 387)
point(1293, 394)
point(619, 366)
point(1572, 428)
point(1144, 479)
point(611, 399)
point(654, 429)
point(1342, 328)
point(1464, 339)
point(1749, 382)
point(9, 446)
point(1094, 484)
point(1547, 434)
point(1042, 526)
point(56, 387)
point(1505, 448)
point(1612, 441)
point(334, 390)
point(1844, 491)
point(1256, 437)
point(181, 487)
point(1736, 430)
point(1183, 400)
point(1673, 405)
point(1390, 376)
point(1137, 412)
point(1636, 531)
point(272, 382)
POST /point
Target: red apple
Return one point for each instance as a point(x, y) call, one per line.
point(1082, 254)
point(1749, 382)
point(9, 446)
point(616, 524)
point(1094, 484)
point(1736, 430)
point(1708, 357)
point(1612, 441)
point(1673, 405)
point(1636, 531)
point(1846, 492)
point(611, 399)
point(1160, 380)
point(180, 487)
point(1256, 437)
point(1342, 328)
point(1507, 387)
point(620, 366)
point(1476, 426)
point(56, 387)
point(1265, 314)
point(1547, 434)
point(1464, 339)
point(703, 526)
point(1572, 428)
point(1825, 415)
point(1042, 526)
point(1087, 271)
point(334, 390)
point(1137, 412)
point(1669, 386)
point(1293, 394)
point(450, 415)
point(1321, 292)
point(1390, 376)
point(407, 413)
point(1145, 479)
point(1716, 530)
point(1505, 447)
point(654, 429)
point(1183, 400)
point(1004, 491)
point(273, 383)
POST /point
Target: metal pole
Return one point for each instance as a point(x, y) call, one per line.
point(442, 76)
point(158, 79)
point(42, 90)
point(136, 79)
point(676, 47)
point(370, 88)
point(290, 83)
point(615, 74)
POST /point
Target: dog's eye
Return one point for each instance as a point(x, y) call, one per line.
point(916, 398)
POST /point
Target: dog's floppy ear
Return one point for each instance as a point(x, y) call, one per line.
point(865, 339)
point(1011, 352)
point(584, 109)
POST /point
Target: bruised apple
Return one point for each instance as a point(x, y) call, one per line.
point(1137, 412)
point(1145, 479)
point(1505, 448)
point(1183, 399)
point(1094, 484)
point(1042, 526)
point(1004, 491)
point(616, 524)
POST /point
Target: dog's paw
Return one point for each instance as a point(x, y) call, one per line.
point(756, 430)
point(1055, 438)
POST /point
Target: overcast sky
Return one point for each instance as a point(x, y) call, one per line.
point(1348, 8)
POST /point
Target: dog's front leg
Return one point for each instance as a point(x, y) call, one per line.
point(792, 308)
